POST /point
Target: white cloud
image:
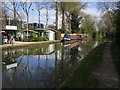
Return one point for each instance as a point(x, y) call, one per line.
point(100, 0)
point(92, 11)
point(89, 5)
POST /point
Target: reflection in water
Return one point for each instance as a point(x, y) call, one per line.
point(41, 67)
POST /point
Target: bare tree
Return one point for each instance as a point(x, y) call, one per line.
point(47, 6)
point(26, 8)
point(56, 6)
point(3, 14)
point(14, 9)
point(46, 15)
point(38, 6)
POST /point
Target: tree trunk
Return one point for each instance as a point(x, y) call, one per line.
point(14, 14)
point(3, 17)
point(39, 20)
point(69, 24)
point(46, 15)
point(63, 24)
point(56, 16)
point(27, 25)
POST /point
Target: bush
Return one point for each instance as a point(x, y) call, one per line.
point(45, 38)
point(40, 39)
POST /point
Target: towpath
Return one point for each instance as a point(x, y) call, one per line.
point(106, 73)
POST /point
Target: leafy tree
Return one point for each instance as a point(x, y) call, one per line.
point(75, 22)
point(117, 23)
point(88, 24)
point(111, 14)
point(70, 11)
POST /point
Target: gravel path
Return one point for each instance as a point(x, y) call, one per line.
point(106, 73)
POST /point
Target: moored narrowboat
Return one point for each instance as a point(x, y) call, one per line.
point(68, 37)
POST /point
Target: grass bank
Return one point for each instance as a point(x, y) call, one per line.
point(115, 51)
point(82, 77)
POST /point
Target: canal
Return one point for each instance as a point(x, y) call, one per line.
point(43, 66)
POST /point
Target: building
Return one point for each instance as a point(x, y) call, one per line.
point(19, 24)
point(33, 26)
point(9, 34)
point(22, 35)
point(48, 32)
point(12, 26)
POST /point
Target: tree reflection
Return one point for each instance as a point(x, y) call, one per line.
point(46, 66)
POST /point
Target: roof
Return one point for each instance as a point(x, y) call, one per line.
point(29, 30)
point(46, 29)
point(3, 32)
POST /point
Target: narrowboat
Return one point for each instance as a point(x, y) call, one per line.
point(68, 37)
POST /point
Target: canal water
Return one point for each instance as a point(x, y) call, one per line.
point(43, 66)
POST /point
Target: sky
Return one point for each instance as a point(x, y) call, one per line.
point(91, 10)
point(33, 16)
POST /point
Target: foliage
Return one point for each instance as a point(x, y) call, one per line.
point(75, 21)
point(71, 15)
point(40, 39)
point(88, 25)
point(45, 38)
point(117, 23)
point(110, 20)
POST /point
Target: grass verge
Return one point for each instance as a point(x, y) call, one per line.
point(82, 77)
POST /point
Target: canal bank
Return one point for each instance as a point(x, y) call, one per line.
point(82, 76)
point(26, 44)
point(96, 70)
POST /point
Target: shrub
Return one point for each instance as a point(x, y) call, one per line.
point(38, 39)
point(45, 38)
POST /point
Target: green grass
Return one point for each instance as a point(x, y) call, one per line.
point(82, 77)
point(115, 51)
